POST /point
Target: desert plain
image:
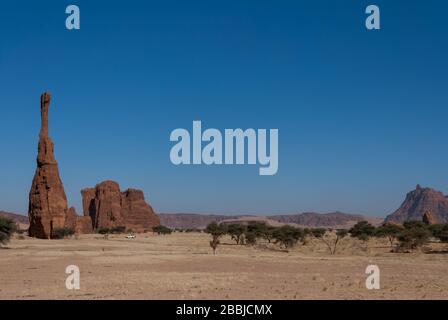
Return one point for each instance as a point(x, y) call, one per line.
point(183, 266)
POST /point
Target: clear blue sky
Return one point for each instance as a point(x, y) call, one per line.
point(362, 115)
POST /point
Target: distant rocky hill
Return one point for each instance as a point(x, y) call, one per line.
point(420, 201)
point(190, 220)
point(309, 219)
point(18, 218)
point(332, 219)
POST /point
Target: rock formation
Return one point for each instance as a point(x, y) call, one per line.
point(428, 218)
point(108, 207)
point(420, 201)
point(47, 201)
point(47, 208)
point(78, 224)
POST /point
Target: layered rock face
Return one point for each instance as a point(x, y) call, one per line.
point(47, 201)
point(108, 207)
point(420, 201)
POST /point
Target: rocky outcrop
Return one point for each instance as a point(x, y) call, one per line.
point(420, 201)
point(47, 200)
point(78, 224)
point(429, 219)
point(328, 220)
point(108, 207)
point(47, 208)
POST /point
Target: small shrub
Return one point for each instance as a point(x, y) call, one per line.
point(103, 230)
point(7, 227)
point(439, 231)
point(62, 233)
point(118, 229)
point(161, 230)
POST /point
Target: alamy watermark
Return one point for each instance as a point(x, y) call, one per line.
point(73, 281)
point(373, 278)
point(213, 147)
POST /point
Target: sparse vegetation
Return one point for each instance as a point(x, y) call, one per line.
point(103, 230)
point(329, 237)
point(439, 231)
point(410, 236)
point(216, 231)
point(362, 230)
point(389, 231)
point(118, 229)
point(288, 236)
point(161, 230)
point(62, 233)
point(236, 232)
point(414, 235)
point(7, 228)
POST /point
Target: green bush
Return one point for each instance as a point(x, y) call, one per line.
point(414, 235)
point(439, 231)
point(62, 233)
point(161, 230)
point(389, 231)
point(288, 236)
point(236, 232)
point(103, 230)
point(118, 229)
point(216, 231)
point(251, 237)
point(362, 230)
point(7, 227)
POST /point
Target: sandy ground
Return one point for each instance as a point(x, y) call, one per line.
point(182, 266)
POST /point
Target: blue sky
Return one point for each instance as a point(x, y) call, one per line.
point(361, 114)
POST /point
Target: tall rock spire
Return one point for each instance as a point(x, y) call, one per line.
point(47, 208)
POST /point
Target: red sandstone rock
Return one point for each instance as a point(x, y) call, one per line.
point(428, 218)
point(47, 200)
point(78, 224)
point(108, 207)
point(418, 202)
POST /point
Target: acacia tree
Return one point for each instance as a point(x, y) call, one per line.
point(236, 232)
point(216, 231)
point(256, 230)
point(414, 235)
point(363, 231)
point(161, 230)
point(7, 227)
point(439, 231)
point(390, 231)
point(287, 235)
point(268, 233)
point(331, 239)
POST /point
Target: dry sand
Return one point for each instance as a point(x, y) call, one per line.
point(182, 266)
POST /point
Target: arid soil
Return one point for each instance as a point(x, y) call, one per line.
point(182, 266)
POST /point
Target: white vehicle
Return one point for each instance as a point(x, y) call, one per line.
point(131, 236)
